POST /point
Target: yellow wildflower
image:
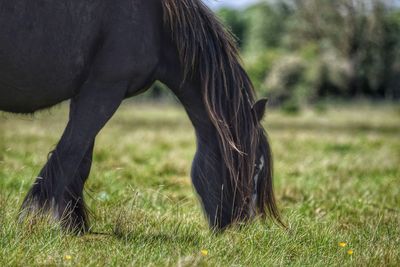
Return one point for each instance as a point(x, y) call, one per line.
point(350, 252)
point(342, 244)
point(204, 252)
point(67, 257)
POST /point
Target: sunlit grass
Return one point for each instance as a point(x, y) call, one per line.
point(337, 182)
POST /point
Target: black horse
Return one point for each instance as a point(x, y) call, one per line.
point(98, 53)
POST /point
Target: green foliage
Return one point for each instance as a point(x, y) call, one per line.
point(336, 181)
point(286, 79)
point(259, 64)
point(236, 23)
point(264, 27)
point(342, 48)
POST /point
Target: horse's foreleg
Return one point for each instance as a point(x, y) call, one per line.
point(56, 189)
point(73, 195)
point(74, 191)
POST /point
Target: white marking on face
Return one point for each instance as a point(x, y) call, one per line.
point(262, 162)
point(255, 180)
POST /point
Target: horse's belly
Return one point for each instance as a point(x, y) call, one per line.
point(32, 82)
point(29, 82)
point(33, 98)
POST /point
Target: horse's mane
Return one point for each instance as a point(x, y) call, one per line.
point(206, 48)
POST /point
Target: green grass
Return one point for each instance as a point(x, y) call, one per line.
point(337, 180)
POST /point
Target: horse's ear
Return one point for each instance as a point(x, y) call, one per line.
point(259, 108)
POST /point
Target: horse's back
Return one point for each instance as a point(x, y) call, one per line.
point(45, 50)
point(49, 48)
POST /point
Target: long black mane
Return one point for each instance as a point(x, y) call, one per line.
point(206, 48)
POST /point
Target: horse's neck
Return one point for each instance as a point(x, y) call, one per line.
point(190, 95)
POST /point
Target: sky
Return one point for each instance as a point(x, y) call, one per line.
point(231, 3)
point(243, 3)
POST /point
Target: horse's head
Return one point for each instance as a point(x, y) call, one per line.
point(263, 200)
point(259, 113)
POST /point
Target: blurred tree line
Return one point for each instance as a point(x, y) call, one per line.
point(300, 51)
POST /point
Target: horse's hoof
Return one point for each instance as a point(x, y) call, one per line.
point(75, 221)
point(72, 219)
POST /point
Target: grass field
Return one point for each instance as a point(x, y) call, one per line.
point(337, 180)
